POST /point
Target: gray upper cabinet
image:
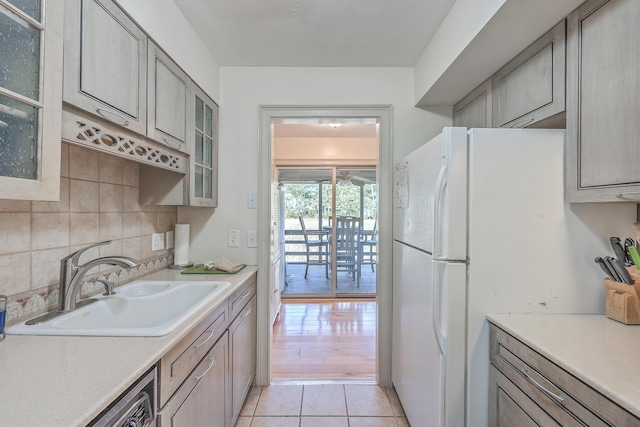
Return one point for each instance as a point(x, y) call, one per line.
point(531, 87)
point(31, 36)
point(603, 106)
point(474, 110)
point(105, 63)
point(168, 100)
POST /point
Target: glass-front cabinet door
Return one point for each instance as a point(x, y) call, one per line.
point(204, 156)
point(30, 98)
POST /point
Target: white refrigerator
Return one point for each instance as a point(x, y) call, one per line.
point(480, 227)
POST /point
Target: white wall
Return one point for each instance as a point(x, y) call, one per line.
point(315, 151)
point(166, 24)
point(244, 89)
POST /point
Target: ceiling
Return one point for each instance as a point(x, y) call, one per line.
point(315, 33)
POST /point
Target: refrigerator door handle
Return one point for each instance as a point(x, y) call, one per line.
point(437, 202)
point(436, 311)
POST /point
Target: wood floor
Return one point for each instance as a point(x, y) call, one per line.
point(325, 340)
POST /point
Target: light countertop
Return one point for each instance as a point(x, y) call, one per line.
point(66, 381)
point(599, 351)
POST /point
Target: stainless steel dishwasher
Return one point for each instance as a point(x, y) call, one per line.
point(135, 408)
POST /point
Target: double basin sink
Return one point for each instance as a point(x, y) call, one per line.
point(141, 308)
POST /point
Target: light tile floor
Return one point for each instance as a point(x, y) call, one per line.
point(322, 405)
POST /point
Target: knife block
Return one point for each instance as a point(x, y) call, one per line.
point(622, 301)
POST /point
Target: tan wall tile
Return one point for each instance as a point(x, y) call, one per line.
point(49, 230)
point(84, 228)
point(166, 221)
point(15, 205)
point(131, 173)
point(83, 163)
point(132, 247)
point(130, 199)
point(145, 248)
point(110, 198)
point(149, 221)
point(110, 168)
point(131, 224)
point(83, 196)
point(45, 267)
point(15, 232)
point(110, 226)
point(60, 206)
point(15, 272)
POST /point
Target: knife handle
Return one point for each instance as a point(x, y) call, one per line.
point(604, 267)
point(608, 261)
point(617, 248)
point(622, 271)
point(633, 252)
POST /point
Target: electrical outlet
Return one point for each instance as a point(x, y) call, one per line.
point(252, 200)
point(252, 239)
point(157, 241)
point(234, 238)
point(168, 238)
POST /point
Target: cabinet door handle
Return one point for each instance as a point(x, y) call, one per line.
point(629, 196)
point(112, 117)
point(522, 123)
point(170, 143)
point(540, 387)
point(247, 313)
point(212, 360)
point(207, 339)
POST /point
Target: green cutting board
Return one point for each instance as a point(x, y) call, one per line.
point(200, 269)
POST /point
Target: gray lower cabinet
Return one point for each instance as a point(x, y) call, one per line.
point(603, 106)
point(203, 399)
point(242, 345)
point(205, 378)
point(475, 109)
point(105, 63)
point(531, 87)
point(527, 389)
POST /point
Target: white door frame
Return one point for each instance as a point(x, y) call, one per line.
point(383, 114)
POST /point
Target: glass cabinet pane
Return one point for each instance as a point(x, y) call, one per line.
point(208, 146)
point(209, 122)
point(199, 114)
point(199, 178)
point(199, 148)
point(19, 55)
point(207, 183)
point(18, 139)
point(30, 7)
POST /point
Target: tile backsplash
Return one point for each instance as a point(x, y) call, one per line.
point(98, 201)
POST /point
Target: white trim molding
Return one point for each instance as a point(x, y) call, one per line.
point(383, 114)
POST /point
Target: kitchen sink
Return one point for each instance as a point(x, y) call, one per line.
point(142, 308)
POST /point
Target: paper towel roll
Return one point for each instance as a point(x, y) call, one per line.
point(181, 253)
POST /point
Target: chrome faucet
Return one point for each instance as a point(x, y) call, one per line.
point(71, 274)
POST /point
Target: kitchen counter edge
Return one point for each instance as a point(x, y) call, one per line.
point(69, 380)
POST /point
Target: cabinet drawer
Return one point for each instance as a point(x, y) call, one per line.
point(178, 363)
point(202, 400)
point(239, 299)
point(560, 394)
point(514, 407)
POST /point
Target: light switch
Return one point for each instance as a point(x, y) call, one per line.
point(252, 239)
point(234, 238)
point(157, 242)
point(168, 238)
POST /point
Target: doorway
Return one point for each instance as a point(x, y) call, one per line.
point(268, 117)
point(317, 264)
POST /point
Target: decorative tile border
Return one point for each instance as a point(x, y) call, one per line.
point(26, 305)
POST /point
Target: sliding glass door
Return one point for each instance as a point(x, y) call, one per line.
point(330, 254)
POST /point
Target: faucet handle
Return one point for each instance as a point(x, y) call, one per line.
point(75, 256)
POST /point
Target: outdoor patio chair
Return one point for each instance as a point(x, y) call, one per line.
point(347, 244)
point(319, 256)
point(369, 246)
